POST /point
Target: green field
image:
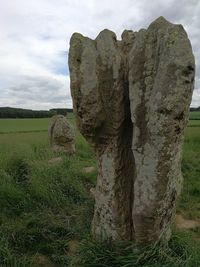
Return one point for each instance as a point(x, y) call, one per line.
point(23, 125)
point(26, 125)
point(46, 209)
point(195, 115)
point(194, 123)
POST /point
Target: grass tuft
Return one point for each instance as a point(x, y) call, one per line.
point(182, 251)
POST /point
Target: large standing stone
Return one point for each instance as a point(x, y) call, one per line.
point(131, 100)
point(61, 135)
point(161, 77)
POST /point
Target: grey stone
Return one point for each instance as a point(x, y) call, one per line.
point(131, 100)
point(101, 106)
point(90, 169)
point(55, 161)
point(61, 135)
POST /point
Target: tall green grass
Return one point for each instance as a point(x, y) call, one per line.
point(45, 207)
point(181, 251)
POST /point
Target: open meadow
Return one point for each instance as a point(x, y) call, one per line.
point(46, 209)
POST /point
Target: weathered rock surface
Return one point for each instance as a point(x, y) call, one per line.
point(182, 223)
point(161, 76)
point(88, 169)
point(56, 161)
point(131, 100)
point(100, 98)
point(40, 260)
point(61, 135)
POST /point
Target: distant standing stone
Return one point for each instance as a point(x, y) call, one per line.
point(61, 135)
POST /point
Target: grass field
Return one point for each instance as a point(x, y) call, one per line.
point(195, 115)
point(23, 125)
point(26, 125)
point(194, 123)
point(46, 209)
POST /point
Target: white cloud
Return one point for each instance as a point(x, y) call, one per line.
point(34, 37)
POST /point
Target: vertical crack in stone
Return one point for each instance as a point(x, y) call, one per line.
point(131, 99)
point(129, 168)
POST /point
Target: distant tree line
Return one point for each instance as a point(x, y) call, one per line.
point(195, 109)
point(7, 112)
point(61, 111)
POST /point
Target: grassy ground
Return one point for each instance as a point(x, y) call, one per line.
point(23, 125)
point(190, 198)
point(26, 125)
point(46, 209)
point(195, 115)
point(194, 123)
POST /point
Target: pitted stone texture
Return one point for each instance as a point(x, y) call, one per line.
point(100, 102)
point(131, 100)
point(161, 77)
point(61, 135)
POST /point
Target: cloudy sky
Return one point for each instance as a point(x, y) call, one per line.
point(35, 34)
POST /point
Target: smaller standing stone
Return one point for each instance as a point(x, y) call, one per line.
point(61, 135)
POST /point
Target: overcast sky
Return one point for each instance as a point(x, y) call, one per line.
point(35, 34)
